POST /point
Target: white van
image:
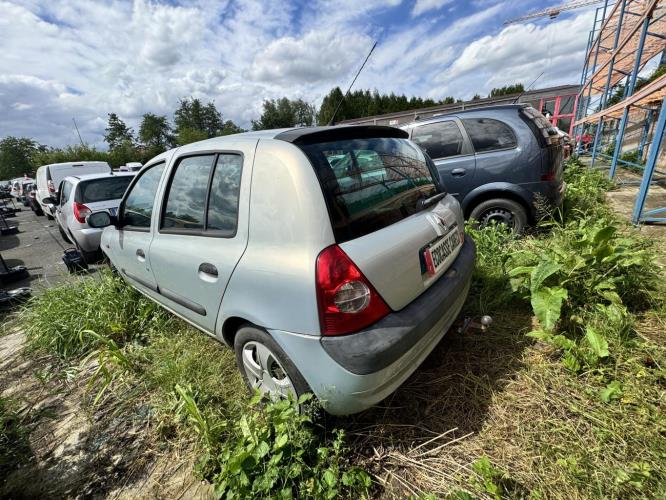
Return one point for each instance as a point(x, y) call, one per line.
point(49, 177)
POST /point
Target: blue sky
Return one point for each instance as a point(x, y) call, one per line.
point(85, 58)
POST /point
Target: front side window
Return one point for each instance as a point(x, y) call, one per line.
point(186, 197)
point(489, 135)
point(138, 207)
point(64, 192)
point(371, 183)
point(439, 140)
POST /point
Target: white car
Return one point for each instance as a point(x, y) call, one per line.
point(80, 196)
point(50, 176)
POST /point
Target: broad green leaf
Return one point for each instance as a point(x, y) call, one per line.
point(280, 441)
point(597, 342)
point(547, 305)
point(541, 272)
point(520, 270)
point(604, 234)
point(611, 392)
point(330, 478)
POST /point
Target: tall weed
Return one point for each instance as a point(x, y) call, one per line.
point(54, 320)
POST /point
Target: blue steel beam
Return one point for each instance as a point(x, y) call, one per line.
point(629, 90)
point(650, 166)
point(646, 132)
point(604, 96)
point(594, 68)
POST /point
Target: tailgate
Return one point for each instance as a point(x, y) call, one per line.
point(402, 260)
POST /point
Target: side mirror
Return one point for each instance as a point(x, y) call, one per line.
point(49, 200)
point(100, 219)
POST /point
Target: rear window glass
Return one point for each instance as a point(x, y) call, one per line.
point(370, 183)
point(112, 188)
point(439, 140)
point(489, 135)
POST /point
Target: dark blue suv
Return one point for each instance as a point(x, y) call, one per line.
point(503, 163)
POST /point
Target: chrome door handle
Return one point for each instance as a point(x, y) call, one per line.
point(209, 269)
point(458, 172)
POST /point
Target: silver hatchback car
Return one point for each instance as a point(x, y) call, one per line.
point(327, 258)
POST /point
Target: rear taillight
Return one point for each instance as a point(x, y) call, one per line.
point(81, 212)
point(50, 186)
point(346, 299)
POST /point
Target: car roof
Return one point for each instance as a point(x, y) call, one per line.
point(487, 110)
point(296, 135)
point(105, 175)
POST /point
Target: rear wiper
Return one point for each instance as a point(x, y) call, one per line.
point(424, 203)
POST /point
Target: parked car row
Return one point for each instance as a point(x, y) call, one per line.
point(331, 259)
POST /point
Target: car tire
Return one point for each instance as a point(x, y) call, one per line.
point(258, 354)
point(503, 211)
point(64, 235)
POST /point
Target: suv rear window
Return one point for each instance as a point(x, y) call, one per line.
point(369, 184)
point(489, 135)
point(111, 188)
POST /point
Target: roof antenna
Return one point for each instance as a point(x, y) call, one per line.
point(78, 133)
point(330, 122)
point(528, 88)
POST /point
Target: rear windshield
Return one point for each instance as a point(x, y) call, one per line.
point(542, 128)
point(111, 188)
point(370, 183)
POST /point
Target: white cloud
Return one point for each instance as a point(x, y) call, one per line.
point(423, 6)
point(86, 58)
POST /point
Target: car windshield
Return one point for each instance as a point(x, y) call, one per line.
point(370, 183)
point(109, 188)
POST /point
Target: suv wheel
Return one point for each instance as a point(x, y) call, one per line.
point(265, 366)
point(501, 211)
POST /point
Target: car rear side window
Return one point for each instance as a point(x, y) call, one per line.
point(371, 183)
point(138, 206)
point(65, 192)
point(439, 140)
point(186, 196)
point(489, 135)
point(110, 188)
point(223, 196)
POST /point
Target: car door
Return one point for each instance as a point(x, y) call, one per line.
point(448, 146)
point(203, 230)
point(64, 207)
point(128, 245)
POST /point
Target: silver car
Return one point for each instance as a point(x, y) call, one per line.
point(81, 195)
point(327, 258)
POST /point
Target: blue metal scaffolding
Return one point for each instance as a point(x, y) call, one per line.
point(625, 36)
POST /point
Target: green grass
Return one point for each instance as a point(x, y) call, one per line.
point(530, 421)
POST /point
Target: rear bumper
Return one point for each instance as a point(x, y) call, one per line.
point(353, 372)
point(88, 238)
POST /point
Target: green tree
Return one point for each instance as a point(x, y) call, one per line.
point(16, 157)
point(68, 153)
point(117, 132)
point(231, 128)
point(155, 132)
point(194, 119)
point(280, 113)
point(516, 88)
point(328, 105)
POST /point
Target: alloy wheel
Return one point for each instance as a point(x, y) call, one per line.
point(264, 371)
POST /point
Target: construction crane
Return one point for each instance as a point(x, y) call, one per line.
point(553, 12)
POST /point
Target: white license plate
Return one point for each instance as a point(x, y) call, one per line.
point(437, 255)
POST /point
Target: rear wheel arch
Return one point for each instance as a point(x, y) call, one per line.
point(230, 328)
point(474, 201)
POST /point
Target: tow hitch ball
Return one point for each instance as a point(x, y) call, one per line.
point(482, 325)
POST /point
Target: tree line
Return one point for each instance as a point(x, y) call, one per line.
point(194, 120)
